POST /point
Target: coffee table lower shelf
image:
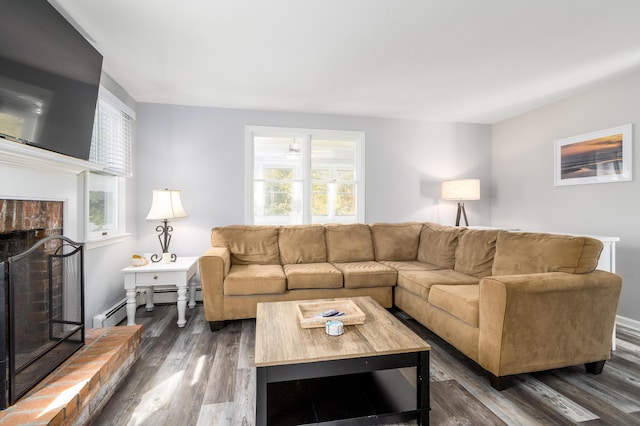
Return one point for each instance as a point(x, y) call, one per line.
point(368, 390)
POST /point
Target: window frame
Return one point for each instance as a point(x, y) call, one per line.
point(119, 210)
point(306, 135)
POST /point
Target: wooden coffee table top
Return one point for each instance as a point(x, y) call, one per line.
point(280, 340)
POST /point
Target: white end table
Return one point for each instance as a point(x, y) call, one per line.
point(178, 274)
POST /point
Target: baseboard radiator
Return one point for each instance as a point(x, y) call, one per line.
point(116, 313)
point(113, 315)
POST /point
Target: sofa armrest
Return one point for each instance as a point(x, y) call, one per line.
point(213, 266)
point(535, 322)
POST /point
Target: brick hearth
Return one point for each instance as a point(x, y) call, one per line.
point(76, 391)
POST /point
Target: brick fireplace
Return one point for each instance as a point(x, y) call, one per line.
point(42, 309)
point(18, 215)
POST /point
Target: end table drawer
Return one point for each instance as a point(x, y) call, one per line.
point(155, 278)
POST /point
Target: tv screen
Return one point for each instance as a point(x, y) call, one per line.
point(49, 79)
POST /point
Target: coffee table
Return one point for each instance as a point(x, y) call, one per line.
point(303, 375)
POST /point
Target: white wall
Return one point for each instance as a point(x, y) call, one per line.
point(524, 195)
point(201, 151)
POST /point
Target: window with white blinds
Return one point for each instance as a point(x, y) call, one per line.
point(112, 135)
point(111, 149)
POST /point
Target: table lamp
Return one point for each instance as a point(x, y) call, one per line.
point(166, 205)
point(461, 190)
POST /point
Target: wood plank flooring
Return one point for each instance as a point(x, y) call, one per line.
point(190, 376)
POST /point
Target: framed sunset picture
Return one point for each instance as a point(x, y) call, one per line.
point(596, 157)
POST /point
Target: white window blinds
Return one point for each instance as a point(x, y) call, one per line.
point(112, 136)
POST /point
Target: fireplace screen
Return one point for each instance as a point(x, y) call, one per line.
point(43, 318)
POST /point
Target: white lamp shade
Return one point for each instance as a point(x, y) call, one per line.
point(463, 189)
point(166, 204)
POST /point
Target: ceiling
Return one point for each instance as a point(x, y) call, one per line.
point(478, 61)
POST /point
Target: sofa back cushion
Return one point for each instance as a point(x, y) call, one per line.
point(530, 253)
point(475, 252)
point(395, 241)
point(257, 245)
point(438, 244)
point(349, 243)
point(302, 244)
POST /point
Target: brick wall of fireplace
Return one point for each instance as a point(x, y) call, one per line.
point(29, 220)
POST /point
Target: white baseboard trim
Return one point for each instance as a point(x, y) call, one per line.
point(628, 322)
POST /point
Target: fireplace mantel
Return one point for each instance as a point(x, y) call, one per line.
point(21, 155)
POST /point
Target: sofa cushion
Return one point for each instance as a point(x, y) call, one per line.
point(529, 253)
point(248, 244)
point(367, 274)
point(302, 244)
point(438, 244)
point(475, 251)
point(395, 241)
point(312, 275)
point(349, 243)
point(420, 282)
point(244, 280)
point(461, 301)
point(409, 265)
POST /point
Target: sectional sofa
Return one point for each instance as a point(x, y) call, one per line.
point(513, 302)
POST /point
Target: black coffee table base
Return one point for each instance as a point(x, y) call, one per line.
point(365, 391)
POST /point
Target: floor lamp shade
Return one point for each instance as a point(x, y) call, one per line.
point(166, 205)
point(461, 190)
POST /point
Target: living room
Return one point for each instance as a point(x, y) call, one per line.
point(201, 150)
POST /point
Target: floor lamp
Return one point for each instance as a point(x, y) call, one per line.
point(461, 190)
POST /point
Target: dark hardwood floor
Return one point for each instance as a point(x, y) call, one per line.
point(190, 376)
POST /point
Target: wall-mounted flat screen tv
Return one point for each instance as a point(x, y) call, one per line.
point(49, 79)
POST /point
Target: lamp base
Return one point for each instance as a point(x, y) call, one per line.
point(462, 211)
point(164, 258)
point(164, 236)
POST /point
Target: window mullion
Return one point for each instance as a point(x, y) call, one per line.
point(332, 197)
point(306, 178)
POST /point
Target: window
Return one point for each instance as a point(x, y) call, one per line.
point(111, 150)
point(300, 176)
point(112, 129)
point(103, 204)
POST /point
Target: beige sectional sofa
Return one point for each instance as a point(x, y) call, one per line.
point(513, 302)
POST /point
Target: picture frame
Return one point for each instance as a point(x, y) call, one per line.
point(597, 157)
